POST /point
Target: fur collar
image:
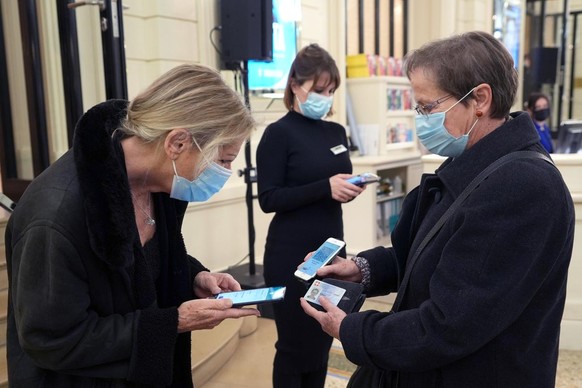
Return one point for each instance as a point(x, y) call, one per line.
point(103, 183)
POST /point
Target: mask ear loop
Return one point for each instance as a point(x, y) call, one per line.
point(206, 161)
point(174, 165)
point(473, 126)
point(479, 114)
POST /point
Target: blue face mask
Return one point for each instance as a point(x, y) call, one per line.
point(208, 183)
point(316, 106)
point(432, 133)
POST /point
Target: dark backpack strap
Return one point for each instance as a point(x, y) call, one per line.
point(455, 205)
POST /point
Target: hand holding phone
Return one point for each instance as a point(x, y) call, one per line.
point(323, 255)
point(253, 296)
point(364, 179)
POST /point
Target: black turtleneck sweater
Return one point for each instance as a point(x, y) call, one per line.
point(294, 163)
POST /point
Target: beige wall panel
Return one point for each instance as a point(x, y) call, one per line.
point(369, 27)
point(434, 19)
point(137, 8)
point(398, 28)
point(176, 9)
point(352, 33)
point(172, 39)
point(137, 76)
point(137, 38)
point(314, 24)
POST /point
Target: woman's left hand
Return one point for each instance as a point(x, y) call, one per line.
point(330, 319)
point(207, 284)
point(342, 190)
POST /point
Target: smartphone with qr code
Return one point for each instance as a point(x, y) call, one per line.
point(323, 255)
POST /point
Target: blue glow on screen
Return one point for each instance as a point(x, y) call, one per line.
point(273, 75)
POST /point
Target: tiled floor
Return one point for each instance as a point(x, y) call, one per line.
point(251, 365)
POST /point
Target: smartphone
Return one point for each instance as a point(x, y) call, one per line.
point(323, 255)
point(364, 179)
point(253, 296)
point(7, 203)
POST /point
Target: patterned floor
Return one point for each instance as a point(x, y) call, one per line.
point(340, 369)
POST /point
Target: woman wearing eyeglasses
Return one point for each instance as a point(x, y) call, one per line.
point(480, 300)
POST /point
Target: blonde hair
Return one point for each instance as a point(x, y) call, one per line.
point(193, 97)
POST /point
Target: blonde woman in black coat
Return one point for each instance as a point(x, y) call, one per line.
point(102, 290)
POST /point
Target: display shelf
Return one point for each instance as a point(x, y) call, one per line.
point(391, 197)
point(383, 113)
point(369, 218)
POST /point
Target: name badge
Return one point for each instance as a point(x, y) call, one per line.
point(338, 149)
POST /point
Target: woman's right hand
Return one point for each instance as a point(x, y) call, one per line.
point(200, 314)
point(342, 269)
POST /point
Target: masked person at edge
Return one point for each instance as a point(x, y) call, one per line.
point(481, 305)
point(538, 106)
point(302, 164)
point(101, 290)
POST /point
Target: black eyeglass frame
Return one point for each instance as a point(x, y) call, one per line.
point(425, 109)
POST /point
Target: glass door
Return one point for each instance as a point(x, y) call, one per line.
point(57, 59)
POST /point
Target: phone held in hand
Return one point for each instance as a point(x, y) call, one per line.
point(364, 179)
point(323, 255)
point(253, 296)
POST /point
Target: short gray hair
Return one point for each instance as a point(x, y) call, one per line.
point(461, 62)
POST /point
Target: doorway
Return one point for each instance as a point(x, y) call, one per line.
point(57, 59)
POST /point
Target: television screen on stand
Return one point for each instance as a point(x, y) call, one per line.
point(268, 79)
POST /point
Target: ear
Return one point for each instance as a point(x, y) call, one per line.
point(294, 86)
point(177, 141)
point(483, 96)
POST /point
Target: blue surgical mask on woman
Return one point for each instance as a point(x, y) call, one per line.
point(316, 106)
point(432, 133)
point(208, 183)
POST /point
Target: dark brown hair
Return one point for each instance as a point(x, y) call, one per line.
point(534, 97)
point(310, 63)
point(461, 62)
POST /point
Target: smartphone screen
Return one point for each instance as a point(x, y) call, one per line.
point(326, 252)
point(364, 179)
point(254, 296)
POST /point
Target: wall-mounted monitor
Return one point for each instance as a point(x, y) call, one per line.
point(569, 137)
point(268, 79)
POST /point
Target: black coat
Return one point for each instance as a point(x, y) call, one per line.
point(84, 309)
point(485, 299)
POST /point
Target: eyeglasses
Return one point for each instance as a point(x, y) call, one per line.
point(427, 108)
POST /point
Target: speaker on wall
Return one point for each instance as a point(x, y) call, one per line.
point(544, 64)
point(246, 30)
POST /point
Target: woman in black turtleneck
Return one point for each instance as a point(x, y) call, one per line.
point(302, 164)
